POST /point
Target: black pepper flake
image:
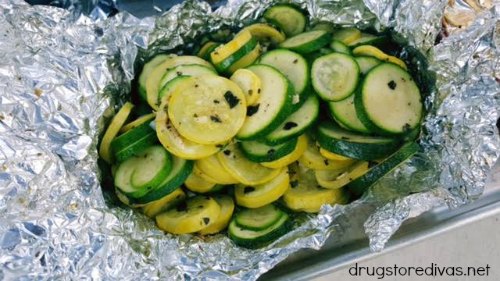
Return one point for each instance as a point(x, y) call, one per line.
point(251, 110)
point(259, 90)
point(231, 99)
point(294, 183)
point(289, 125)
point(248, 189)
point(326, 162)
point(227, 152)
point(345, 138)
point(295, 61)
point(196, 85)
point(179, 73)
point(219, 145)
point(182, 207)
point(406, 127)
point(195, 115)
point(216, 101)
point(392, 85)
point(215, 118)
point(206, 220)
point(271, 151)
point(250, 92)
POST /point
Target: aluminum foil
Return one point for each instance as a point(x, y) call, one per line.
point(63, 75)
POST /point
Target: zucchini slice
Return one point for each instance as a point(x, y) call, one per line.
point(333, 156)
point(339, 47)
point(166, 202)
point(294, 67)
point(260, 152)
point(346, 35)
point(227, 54)
point(340, 178)
point(288, 18)
point(272, 106)
point(170, 87)
point(249, 83)
point(307, 42)
point(264, 32)
point(305, 195)
point(258, 218)
point(254, 239)
point(175, 143)
point(246, 60)
point(296, 123)
point(226, 204)
point(389, 101)
point(114, 127)
point(133, 142)
point(361, 184)
point(335, 76)
point(244, 170)
point(142, 173)
point(146, 71)
point(208, 109)
point(154, 78)
point(185, 70)
point(256, 196)
point(206, 49)
point(288, 159)
point(214, 170)
point(366, 63)
point(344, 112)
point(191, 216)
point(353, 145)
point(312, 159)
point(137, 122)
point(367, 39)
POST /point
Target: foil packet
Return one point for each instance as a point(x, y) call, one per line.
point(63, 74)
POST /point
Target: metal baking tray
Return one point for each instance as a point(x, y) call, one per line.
point(353, 247)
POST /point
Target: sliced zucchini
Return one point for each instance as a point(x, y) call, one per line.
point(294, 67)
point(371, 51)
point(260, 152)
point(246, 60)
point(175, 143)
point(212, 167)
point(307, 42)
point(389, 101)
point(226, 204)
point(367, 39)
point(254, 239)
point(361, 184)
point(258, 218)
point(185, 70)
point(207, 48)
point(114, 127)
point(356, 146)
point(137, 122)
point(171, 86)
point(143, 172)
point(256, 196)
point(264, 33)
point(288, 18)
point(335, 76)
point(154, 78)
point(327, 26)
point(196, 183)
point(133, 142)
point(312, 159)
point(346, 35)
point(192, 216)
point(296, 123)
point(244, 170)
point(339, 47)
point(208, 109)
point(166, 202)
point(304, 195)
point(146, 71)
point(272, 105)
point(300, 147)
point(227, 54)
point(340, 178)
point(344, 112)
point(180, 171)
point(366, 63)
point(249, 83)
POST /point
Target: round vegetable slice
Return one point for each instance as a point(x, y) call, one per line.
point(256, 196)
point(133, 142)
point(258, 218)
point(260, 152)
point(244, 170)
point(146, 71)
point(191, 216)
point(333, 156)
point(207, 109)
point(249, 83)
point(186, 70)
point(346, 35)
point(340, 178)
point(213, 169)
point(389, 101)
point(171, 86)
point(344, 112)
point(114, 127)
point(312, 159)
point(300, 147)
point(246, 60)
point(175, 143)
point(334, 76)
point(137, 122)
point(226, 212)
point(166, 202)
point(307, 42)
point(198, 184)
point(288, 18)
point(264, 32)
point(367, 50)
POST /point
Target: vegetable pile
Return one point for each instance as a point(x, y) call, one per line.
point(282, 118)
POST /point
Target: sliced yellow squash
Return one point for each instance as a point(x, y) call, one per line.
point(139, 121)
point(312, 159)
point(247, 59)
point(333, 156)
point(224, 51)
point(212, 167)
point(154, 208)
point(286, 160)
point(199, 184)
point(368, 50)
point(340, 178)
point(264, 32)
point(114, 127)
point(256, 196)
point(249, 83)
point(226, 204)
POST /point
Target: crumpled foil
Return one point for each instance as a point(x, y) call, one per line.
point(63, 75)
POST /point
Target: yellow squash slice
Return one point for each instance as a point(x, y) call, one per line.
point(312, 159)
point(367, 50)
point(259, 195)
point(154, 208)
point(213, 169)
point(114, 127)
point(340, 178)
point(288, 159)
point(249, 83)
point(226, 204)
